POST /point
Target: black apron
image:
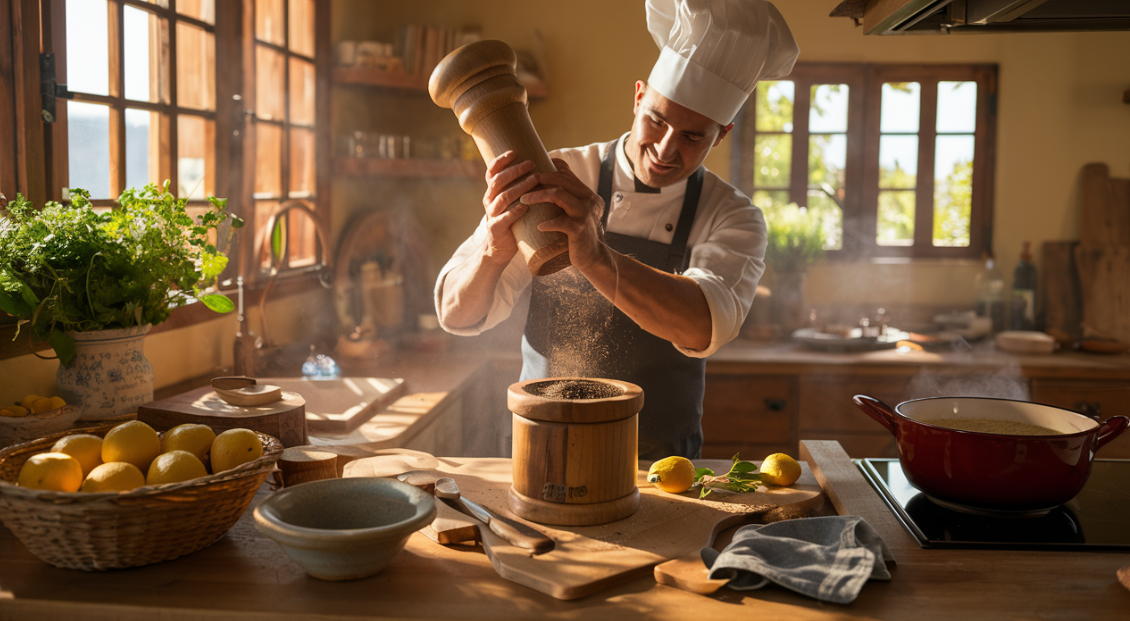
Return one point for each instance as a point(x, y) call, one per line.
point(574, 331)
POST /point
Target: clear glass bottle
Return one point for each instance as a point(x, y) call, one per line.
point(990, 293)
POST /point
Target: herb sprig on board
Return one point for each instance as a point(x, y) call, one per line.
point(742, 477)
point(75, 267)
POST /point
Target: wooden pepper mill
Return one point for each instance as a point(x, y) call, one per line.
point(574, 459)
point(478, 81)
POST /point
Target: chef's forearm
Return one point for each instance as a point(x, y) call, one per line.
point(669, 306)
point(468, 290)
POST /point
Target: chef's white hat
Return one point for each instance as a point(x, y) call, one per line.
point(713, 52)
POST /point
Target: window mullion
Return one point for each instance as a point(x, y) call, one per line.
point(171, 137)
point(866, 224)
point(927, 141)
point(117, 92)
point(798, 181)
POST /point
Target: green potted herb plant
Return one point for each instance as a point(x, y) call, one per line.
point(92, 282)
point(795, 240)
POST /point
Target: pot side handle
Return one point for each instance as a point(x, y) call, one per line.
point(878, 410)
point(1110, 429)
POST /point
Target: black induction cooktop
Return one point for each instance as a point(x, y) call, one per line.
point(1099, 517)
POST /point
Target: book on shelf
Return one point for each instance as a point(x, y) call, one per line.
point(423, 47)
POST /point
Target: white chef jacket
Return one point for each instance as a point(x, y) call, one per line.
point(727, 243)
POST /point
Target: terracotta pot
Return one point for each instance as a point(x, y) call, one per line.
point(109, 375)
point(988, 472)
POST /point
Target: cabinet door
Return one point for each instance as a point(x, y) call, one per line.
point(1101, 398)
point(750, 415)
point(828, 413)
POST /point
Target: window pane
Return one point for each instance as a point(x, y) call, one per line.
point(142, 32)
point(301, 22)
point(160, 3)
point(953, 190)
point(831, 217)
point(301, 92)
point(957, 107)
point(196, 67)
point(142, 148)
point(772, 160)
point(829, 108)
point(901, 101)
point(196, 164)
point(268, 160)
point(898, 162)
point(269, 83)
point(303, 241)
point(263, 212)
point(269, 21)
point(203, 10)
point(769, 200)
point(88, 45)
point(88, 148)
point(301, 163)
point(896, 219)
point(775, 106)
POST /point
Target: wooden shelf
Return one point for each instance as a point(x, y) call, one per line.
point(398, 80)
point(376, 167)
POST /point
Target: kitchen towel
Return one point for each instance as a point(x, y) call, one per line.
point(828, 558)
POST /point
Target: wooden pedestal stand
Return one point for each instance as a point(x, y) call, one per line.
point(478, 81)
point(574, 460)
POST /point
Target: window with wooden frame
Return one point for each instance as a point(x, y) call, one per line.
point(284, 110)
point(895, 160)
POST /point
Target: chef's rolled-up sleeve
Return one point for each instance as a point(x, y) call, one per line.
point(515, 278)
point(727, 266)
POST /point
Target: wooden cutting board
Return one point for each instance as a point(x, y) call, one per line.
point(340, 405)
point(284, 419)
point(1105, 208)
point(1063, 306)
point(590, 558)
point(1104, 282)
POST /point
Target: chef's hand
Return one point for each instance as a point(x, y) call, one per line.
point(583, 211)
point(502, 206)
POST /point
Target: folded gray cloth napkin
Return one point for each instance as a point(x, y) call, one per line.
point(828, 558)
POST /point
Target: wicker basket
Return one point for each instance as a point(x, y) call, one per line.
point(106, 530)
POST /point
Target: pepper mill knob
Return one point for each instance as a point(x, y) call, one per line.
point(479, 83)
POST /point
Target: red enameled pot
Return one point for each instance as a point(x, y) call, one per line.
point(989, 472)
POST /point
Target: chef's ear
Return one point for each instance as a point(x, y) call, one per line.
point(641, 90)
point(722, 131)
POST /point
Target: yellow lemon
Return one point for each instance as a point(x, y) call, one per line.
point(28, 400)
point(116, 476)
point(133, 442)
point(57, 402)
point(174, 467)
point(234, 447)
point(41, 405)
point(672, 474)
point(84, 447)
point(196, 439)
point(54, 471)
point(15, 411)
point(779, 469)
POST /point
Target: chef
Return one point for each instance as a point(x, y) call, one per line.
point(665, 255)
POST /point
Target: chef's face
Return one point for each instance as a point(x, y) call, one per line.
point(668, 141)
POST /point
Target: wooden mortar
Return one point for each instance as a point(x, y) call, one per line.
point(574, 460)
point(478, 81)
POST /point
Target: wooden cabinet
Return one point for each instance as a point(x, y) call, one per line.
point(750, 415)
point(1097, 398)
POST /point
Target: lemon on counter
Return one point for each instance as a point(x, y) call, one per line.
point(780, 469)
point(174, 467)
point(116, 476)
point(57, 472)
point(133, 442)
point(84, 447)
point(191, 437)
point(672, 474)
point(234, 447)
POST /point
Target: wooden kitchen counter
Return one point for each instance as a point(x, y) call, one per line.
point(247, 577)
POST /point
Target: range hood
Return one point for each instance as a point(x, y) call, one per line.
point(893, 17)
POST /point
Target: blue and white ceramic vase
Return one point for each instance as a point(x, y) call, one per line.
point(109, 375)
